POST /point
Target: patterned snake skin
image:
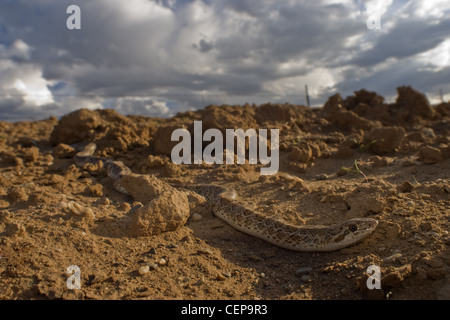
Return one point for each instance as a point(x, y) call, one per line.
point(226, 207)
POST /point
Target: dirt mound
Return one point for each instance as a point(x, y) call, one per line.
point(107, 128)
point(355, 157)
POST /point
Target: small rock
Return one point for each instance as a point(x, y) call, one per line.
point(199, 282)
point(306, 278)
point(429, 132)
point(406, 187)
point(379, 162)
point(447, 241)
point(196, 216)
point(152, 251)
point(74, 207)
point(425, 226)
point(143, 270)
point(172, 169)
point(430, 155)
point(396, 277)
point(63, 151)
point(185, 280)
point(124, 206)
point(384, 139)
point(152, 266)
point(204, 251)
point(394, 257)
point(446, 188)
point(220, 277)
point(162, 262)
point(408, 163)
point(154, 162)
point(341, 172)
point(322, 176)
point(303, 271)
point(302, 154)
point(105, 201)
point(87, 213)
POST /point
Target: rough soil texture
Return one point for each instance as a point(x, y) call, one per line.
point(54, 214)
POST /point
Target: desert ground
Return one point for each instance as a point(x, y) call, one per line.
point(357, 156)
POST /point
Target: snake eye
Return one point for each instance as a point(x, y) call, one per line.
point(353, 227)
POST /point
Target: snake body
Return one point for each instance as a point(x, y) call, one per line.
point(226, 207)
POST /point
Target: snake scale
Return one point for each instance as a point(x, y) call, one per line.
point(226, 207)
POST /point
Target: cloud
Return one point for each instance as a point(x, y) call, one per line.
point(160, 57)
point(407, 38)
point(139, 105)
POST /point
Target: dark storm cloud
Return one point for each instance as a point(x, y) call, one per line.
point(160, 57)
point(409, 37)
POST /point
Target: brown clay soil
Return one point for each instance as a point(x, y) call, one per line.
point(54, 214)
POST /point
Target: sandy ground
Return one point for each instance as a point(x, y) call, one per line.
point(54, 214)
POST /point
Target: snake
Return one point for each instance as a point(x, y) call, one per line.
point(226, 206)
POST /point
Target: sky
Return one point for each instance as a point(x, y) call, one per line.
point(161, 57)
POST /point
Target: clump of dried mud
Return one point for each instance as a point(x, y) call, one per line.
point(354, 157)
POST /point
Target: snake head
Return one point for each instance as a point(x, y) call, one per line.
point(350, 231)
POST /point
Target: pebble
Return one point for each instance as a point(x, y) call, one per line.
point(152, 266)
point(74, 207)
point(397, 276)
point(306, 278)
point(88, 213)
point(196, 216)
point(429, 132)
point(447, 241)
point(162, 262)
point(394, 257)
point(105, 201)
point(199, 281)
point(406, 186)
point(303, 271)
point(124, 206)
point(183, 280)
point(143, 270)
point(220, 277)
point(204, 251)
point(425, 226)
